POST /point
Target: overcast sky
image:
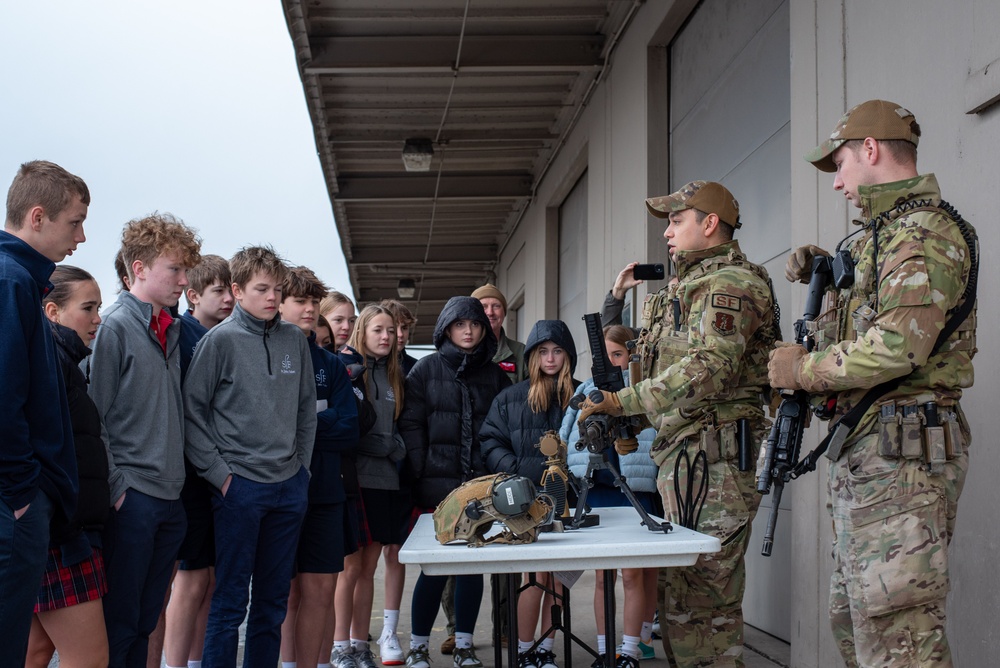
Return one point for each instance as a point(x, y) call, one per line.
point(193, 107)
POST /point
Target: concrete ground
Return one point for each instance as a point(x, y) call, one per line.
point(762, 650)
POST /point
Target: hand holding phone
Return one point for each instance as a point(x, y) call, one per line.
point(648, 272)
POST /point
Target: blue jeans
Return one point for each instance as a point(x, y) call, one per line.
point(24, 545)
point(256, 533)
point(141, 540)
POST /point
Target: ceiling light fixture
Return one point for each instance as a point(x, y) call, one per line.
point(406, 289)
point(417, 154)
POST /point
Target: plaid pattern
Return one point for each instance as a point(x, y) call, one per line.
point(63, 586)
point(357, 520)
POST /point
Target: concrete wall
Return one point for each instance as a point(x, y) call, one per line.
point(930, 57)
point(940, 60)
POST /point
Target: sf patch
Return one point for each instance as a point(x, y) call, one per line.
point(724, 324)
point(728, 302)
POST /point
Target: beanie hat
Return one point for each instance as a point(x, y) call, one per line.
point(490, 290)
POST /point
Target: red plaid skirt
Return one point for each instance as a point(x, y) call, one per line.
point(63, 586)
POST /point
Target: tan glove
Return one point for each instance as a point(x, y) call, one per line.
point(607, 405)
point(784, 364)
point(626, 446)
point(800, 263)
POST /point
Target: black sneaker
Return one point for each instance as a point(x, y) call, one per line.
point(545, 659)
point(626, 661)
point(599, 661)
point(526, 660)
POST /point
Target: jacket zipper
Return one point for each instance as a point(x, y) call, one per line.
point(267, 352)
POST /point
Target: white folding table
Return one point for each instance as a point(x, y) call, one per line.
point(619, 541)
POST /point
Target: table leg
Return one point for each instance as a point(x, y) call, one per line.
point(497, 632)
point(566, 624)
point(513, 587)
point(609, 617)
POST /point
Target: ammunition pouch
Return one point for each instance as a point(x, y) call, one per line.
point(906, 432)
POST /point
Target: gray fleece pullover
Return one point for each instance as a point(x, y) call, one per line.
point(381, 449)
point(250, 401)
point(137, 390)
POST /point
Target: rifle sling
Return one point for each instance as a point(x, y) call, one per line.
point(845, 425)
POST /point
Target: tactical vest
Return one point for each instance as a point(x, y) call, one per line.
point(663, 342)
point(848, 314)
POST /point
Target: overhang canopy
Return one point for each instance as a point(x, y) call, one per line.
point(495, 85)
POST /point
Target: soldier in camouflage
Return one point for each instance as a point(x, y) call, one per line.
point(894, 486)
point(704, 348)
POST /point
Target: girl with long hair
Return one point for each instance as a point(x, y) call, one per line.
point(518, 418)
point(69, 614)
point(386, 512)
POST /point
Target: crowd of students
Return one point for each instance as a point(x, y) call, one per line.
point(209, 443)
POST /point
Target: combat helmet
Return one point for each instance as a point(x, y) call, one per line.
point(468, 512)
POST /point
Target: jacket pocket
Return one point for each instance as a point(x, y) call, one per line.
point(899, 550)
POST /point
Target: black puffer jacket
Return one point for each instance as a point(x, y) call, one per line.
point(446, 400)
point(511, 429)
point(91, 455)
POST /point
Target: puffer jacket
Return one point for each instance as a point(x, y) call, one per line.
point(91, 455)
point(638, 468)
point(512, 429)
point(448, 395)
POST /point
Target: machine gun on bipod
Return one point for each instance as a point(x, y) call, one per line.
point(599, 432)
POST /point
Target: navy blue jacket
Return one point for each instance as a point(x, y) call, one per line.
point(36, 437)
point(191, 333)
point(336, 427)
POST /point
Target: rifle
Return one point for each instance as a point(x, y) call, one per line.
point(599, 432)
point(781, 454)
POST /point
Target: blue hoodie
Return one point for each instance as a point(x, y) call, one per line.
point(36, 437)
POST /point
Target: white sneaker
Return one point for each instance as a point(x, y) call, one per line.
point(389, 650)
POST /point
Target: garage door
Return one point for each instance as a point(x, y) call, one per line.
point(729, 122)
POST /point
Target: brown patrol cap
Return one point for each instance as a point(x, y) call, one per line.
point(706, 196)
point(877, 119)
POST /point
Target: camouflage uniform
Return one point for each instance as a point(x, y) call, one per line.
point(893, 510)
point(703, 373)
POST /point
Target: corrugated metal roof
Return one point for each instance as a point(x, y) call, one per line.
point(495, 84)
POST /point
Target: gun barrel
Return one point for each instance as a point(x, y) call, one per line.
point(764, 481)
point(772, 519)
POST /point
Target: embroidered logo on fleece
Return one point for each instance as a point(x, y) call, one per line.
point(286, 365)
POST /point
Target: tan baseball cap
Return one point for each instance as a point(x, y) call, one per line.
point(706, 196)
point(877, 119)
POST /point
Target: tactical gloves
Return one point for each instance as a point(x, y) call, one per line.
point(784, 364)
point(598, 401)
point(800, 262)
point(625, 446)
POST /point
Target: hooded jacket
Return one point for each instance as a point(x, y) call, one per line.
point(250, 401)
point(91, 454)
point(511, 429)
point(35, 431)
point(336, 425)
point(448, 395)
point(137, 390)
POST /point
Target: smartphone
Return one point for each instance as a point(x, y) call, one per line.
point(648, 272)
